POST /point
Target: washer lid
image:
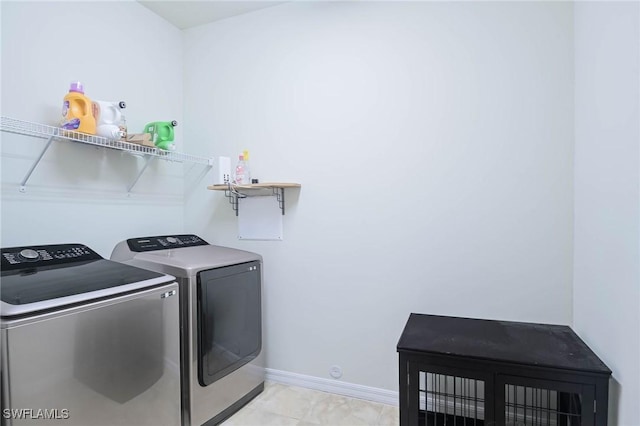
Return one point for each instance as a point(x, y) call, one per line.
point(47, 277)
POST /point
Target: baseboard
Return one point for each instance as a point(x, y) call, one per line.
point(352, 390)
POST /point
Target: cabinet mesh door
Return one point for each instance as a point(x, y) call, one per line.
point(525, 406)
point(451, 400)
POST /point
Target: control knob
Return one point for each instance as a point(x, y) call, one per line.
point(29, 254)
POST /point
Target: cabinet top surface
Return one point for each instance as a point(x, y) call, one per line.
point(543, 345)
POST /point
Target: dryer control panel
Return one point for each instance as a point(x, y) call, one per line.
point(165, 242)
point(36, 256)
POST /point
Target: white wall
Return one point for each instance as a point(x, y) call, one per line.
point(120, 51)
point(434, 145)
point(607, 195)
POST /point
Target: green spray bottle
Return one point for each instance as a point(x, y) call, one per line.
point(162, 134)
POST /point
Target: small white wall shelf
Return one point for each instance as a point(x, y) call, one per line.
point(51, 133)
point(233, 192)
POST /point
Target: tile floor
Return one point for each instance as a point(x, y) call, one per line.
point(287, 405)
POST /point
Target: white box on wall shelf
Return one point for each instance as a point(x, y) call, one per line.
point(222, 173)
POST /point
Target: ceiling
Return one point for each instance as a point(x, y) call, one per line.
point(187, 14)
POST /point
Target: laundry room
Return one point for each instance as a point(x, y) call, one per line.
point(409, 164)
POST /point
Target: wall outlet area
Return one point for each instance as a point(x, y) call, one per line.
point(335, 371)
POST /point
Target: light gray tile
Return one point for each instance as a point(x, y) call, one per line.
point(390, 416)
point(292, 401)
point(339, 410)
point(258, 417)
point(271, 390)
point(368, 411)
point(289, 405)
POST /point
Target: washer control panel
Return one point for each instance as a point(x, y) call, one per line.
point(165, 242)
point(36, 256)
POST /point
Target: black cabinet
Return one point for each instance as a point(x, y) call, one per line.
point(461, 371)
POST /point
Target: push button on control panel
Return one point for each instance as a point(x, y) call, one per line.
point(29, 254)
point(70, 253)
point(11, 258)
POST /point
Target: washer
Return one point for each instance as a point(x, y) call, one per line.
point(220, 319)
point(86, 341)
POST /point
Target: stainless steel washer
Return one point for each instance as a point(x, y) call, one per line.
point(86, 341)
point(221, 320)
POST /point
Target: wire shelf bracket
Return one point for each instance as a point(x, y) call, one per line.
point(147, 161)
point(23, 184)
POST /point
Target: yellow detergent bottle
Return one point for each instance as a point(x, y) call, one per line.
point(77, 111)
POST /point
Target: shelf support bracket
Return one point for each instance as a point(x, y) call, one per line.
point(147, 161)
point(232, 197)
point(33, 166)
point(279, 193)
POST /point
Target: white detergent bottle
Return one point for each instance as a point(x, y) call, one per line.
point(108, 118)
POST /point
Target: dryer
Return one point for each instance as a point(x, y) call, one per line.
point(220, 292)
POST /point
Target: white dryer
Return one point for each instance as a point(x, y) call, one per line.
point(220, 291)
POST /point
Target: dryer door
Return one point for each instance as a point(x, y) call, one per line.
point(229, 319)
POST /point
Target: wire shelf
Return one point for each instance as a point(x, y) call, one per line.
point(43, 131)
point(12, 125)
